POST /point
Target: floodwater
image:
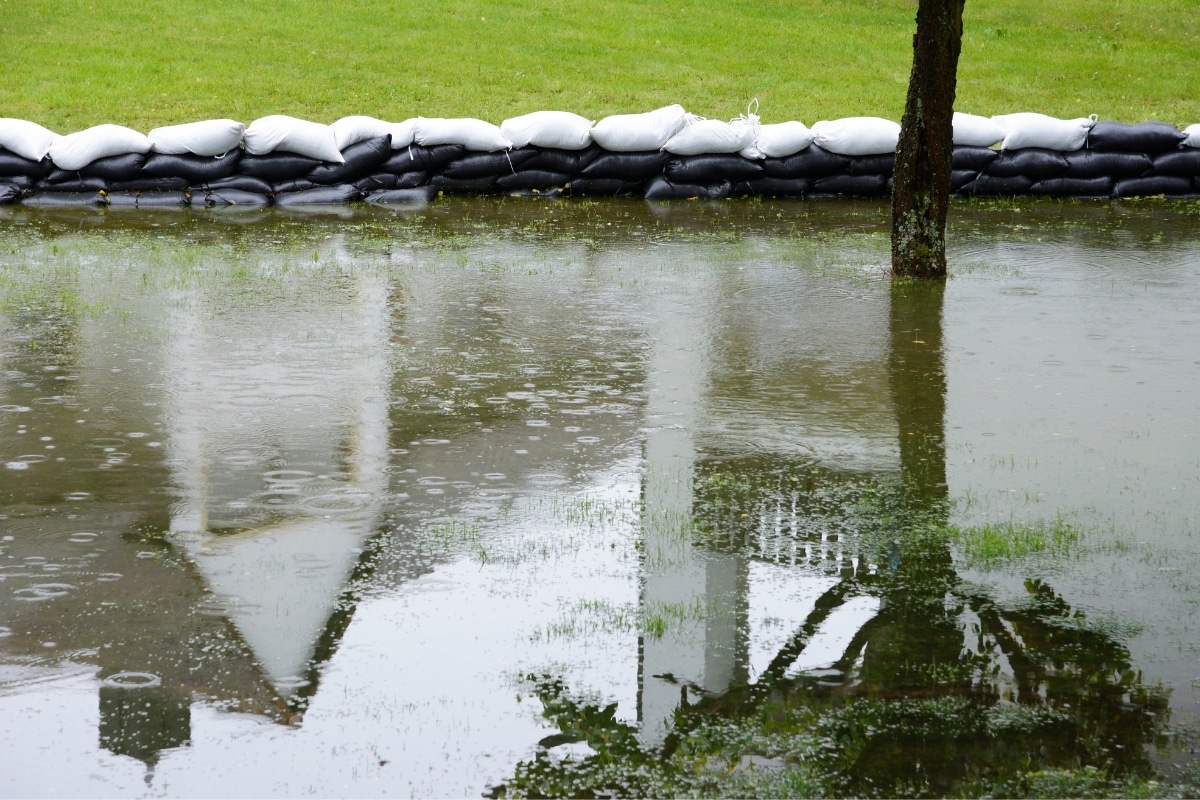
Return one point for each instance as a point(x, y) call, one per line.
point(293, 503)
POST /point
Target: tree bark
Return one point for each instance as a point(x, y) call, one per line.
point(921, 180)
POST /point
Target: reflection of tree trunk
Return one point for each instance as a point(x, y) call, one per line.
point(915, 625)
point(918, 377)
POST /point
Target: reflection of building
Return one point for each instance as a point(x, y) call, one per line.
point(725, 378)
point(278, 446)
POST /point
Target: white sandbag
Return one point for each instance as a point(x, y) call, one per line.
point(779, 140)
point(352, 130)
point(712, 136)
point(403, 133)
point(473, 134)
point(77, 150)
point(626, 133)
point(1193, 136)
point(26, 139)
point(1028, 129)
point(857, 136)
point(212, 137)
point(285, 134)
point(559, 129)
point(975, 131)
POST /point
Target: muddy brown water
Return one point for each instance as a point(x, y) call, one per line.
point(289, 502)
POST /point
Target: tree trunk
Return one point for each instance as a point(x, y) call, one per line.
point(921, 180)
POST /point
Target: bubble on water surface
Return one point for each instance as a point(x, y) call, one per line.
point(75, 496)
point(44, 591)
point(82, 537)
point(547, 479)
point(132, 680)
point(336, 502)
point(241, 461)
point(291, 682)
point(16, 465)
point(290, 476)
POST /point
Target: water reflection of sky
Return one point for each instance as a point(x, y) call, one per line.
point(444, 465)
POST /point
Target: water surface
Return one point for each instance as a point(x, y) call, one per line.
point(293, 502)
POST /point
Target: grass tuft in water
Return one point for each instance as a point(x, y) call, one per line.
point(986, 545)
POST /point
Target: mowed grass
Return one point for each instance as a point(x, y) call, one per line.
point(74, 63)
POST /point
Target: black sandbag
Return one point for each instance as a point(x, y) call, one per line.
point(277, 166)
point(881, 164)
point(12, 164)
point(1074, 187)
point(240, 183)
point(294, 185)
point(321, 196)
point(533, 179)
point(1150, 187)
point(381, 181)
point(76, 184)
point(486, 165)
point(163, 199)
point(378, 182)
point(1184, 163)
point(1144, 137)
point(420, 194)
point(605, 187)
point(114, 168)
point(485, 185)
point(853, 185)
point(417, 158)
point(811, 162)
point(64, 199)
point(1033, 162)
point(1098, 164)
point(20, 181)
point(633, 166)
point(961, 177)
point(660, 187)
point(711, 168)
point(149, 185)
point(192, 168)
point(9, 193)
point(124, 167)
point(779, 187)
point(232, 197)
point(360, 159)
point(572, 162)
point(122, 199)
point(992, 186)
point(975, 159)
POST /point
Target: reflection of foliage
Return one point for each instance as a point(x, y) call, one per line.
point(945, 691)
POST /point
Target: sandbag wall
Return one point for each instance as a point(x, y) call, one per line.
point(1115, 161)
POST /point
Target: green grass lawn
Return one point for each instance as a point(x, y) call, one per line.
point(74, 63)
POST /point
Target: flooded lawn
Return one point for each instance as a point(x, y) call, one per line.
point(519, 497)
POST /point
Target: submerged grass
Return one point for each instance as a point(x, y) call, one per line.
point(992, 543)
point(143, 63)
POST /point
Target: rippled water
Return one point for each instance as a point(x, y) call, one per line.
point(292, 502)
